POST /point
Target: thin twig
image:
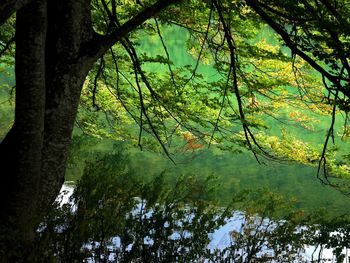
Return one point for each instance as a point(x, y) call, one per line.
point(7, 45)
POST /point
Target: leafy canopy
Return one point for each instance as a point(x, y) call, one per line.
point(250, 71)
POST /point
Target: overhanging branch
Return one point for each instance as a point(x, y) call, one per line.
point(8, 7)
point(100, 44)
point(294, 48)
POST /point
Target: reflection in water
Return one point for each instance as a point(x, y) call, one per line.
point(240, 235)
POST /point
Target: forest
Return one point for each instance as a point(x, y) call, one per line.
point(174, 131)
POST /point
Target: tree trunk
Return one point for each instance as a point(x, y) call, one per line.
point(49, 78)
point(20, 151)
point(69, 27)
point(61, 109)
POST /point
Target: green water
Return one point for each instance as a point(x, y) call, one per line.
point(234, 171)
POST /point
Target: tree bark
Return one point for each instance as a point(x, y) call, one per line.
point(66, 73)
point(20, 152)
point(49, 79)
point(8, 7)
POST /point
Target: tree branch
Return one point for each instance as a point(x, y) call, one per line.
point(100, 44)
point(8, 7)
point(249, 136)
point(7, 46)
point(294, 48)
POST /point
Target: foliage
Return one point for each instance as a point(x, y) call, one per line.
point(151, 88)
point(280, 94)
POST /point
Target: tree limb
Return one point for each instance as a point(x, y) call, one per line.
point(100, 44)
point(7, 46)
point(294, 48)
point(8, 7)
